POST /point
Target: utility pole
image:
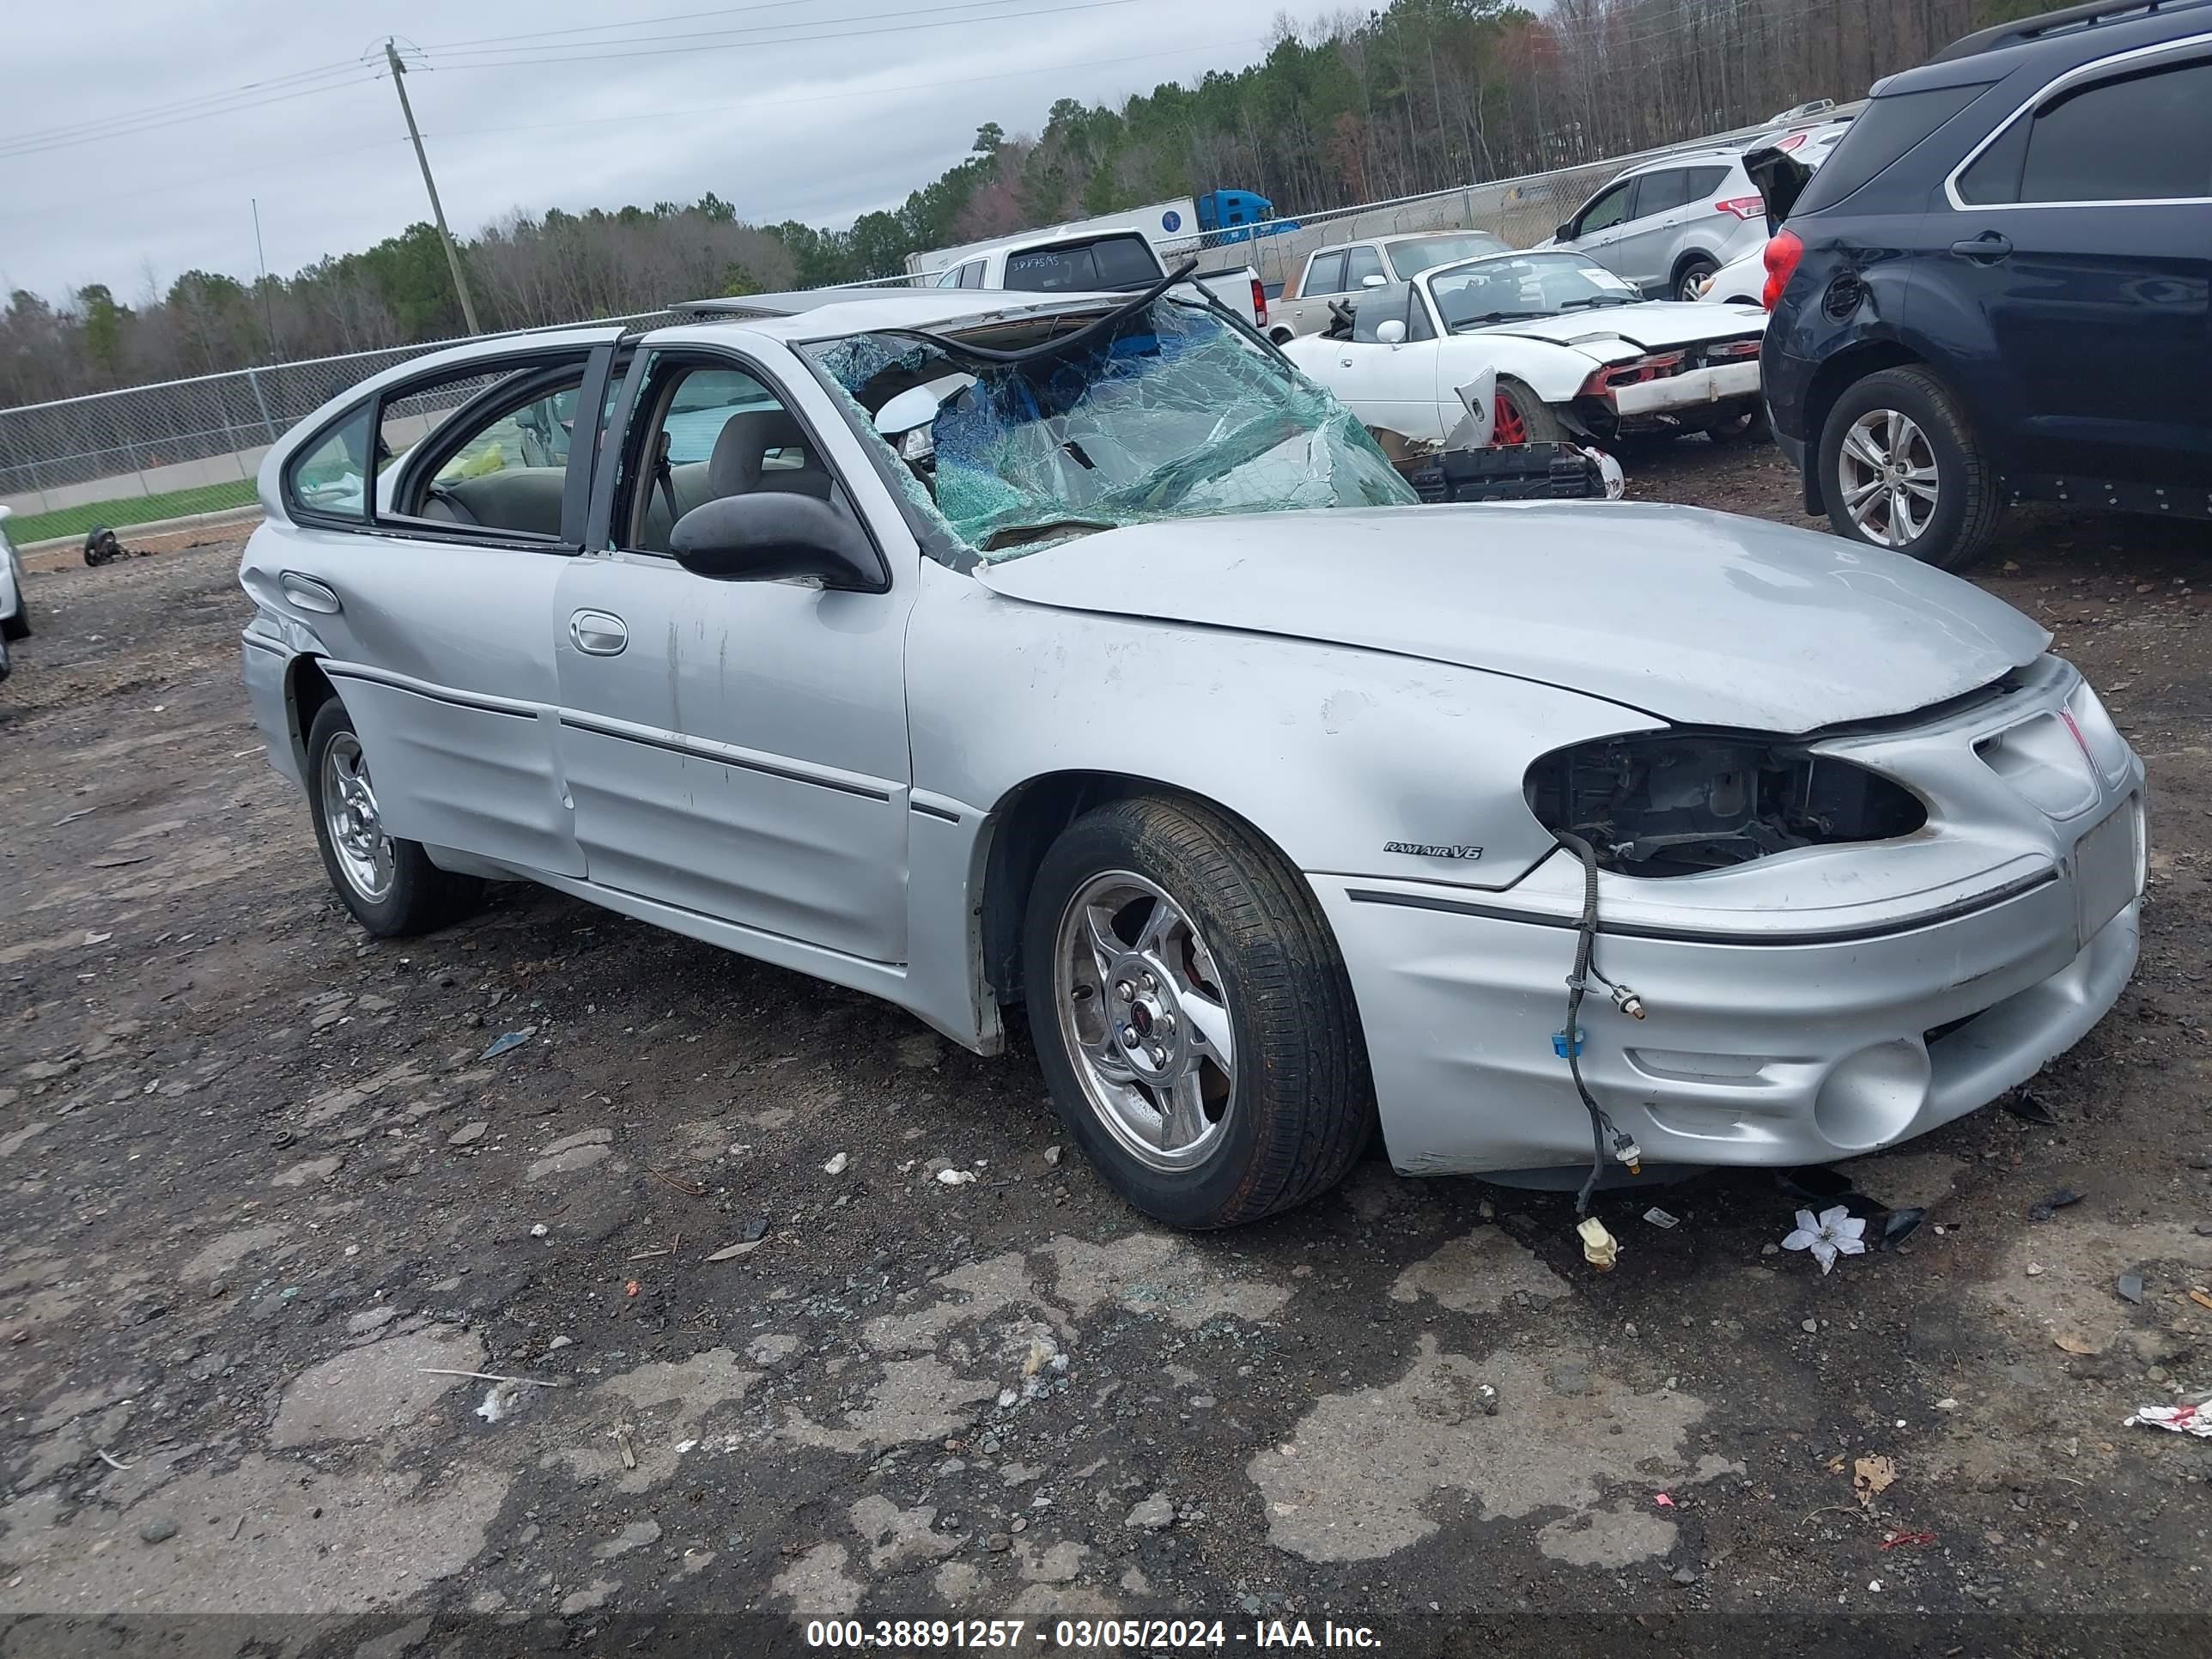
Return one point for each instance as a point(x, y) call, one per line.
point(268, 296)
point(437, 212)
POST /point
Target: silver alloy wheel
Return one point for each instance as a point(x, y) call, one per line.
point(1146, 1019)
point(1887, 475)
point(356, 830)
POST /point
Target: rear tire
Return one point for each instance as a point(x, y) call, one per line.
point(1689, 278)
point(1518, 410)
point(1235, 992)
point(1907, 420)
point(390, 884)
point(17, 627)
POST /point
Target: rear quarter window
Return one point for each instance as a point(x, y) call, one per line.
point(1111, 262)
point(1884, 133)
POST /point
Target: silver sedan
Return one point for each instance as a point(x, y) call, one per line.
point(1082, 662)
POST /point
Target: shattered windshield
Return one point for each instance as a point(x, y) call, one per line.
point(1168, 413)
point(1527, 285)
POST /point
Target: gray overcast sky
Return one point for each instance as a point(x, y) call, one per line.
point(818, 130)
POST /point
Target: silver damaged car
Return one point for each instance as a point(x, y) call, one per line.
point(1078, 657)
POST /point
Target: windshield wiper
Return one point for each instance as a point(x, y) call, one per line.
point(1490, 317)
point(1595, 300)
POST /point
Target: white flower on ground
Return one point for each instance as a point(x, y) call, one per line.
point(1836, 1233)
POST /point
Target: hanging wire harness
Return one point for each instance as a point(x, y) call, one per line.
point(1605, 1135)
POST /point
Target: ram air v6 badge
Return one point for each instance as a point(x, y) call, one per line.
point(1424, 850)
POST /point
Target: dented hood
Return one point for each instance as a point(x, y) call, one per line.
point(1701, 618)
point(1647, 325)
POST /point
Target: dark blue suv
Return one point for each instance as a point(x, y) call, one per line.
point(1996, 289)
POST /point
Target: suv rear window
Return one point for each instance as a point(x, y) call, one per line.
point(1885, 130)
point(1110, 263)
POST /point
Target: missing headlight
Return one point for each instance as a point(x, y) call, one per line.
point(1675, 805)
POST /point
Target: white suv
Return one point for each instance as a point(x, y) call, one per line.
point(1667, 225)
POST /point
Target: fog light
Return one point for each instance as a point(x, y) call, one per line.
point(1872, 1097)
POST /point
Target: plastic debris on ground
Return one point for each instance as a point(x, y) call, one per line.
point(1821, 1188)
point(955, 1177)
point(501, 1400)
point(1659, 1217)
point(2044, 1208)
point(2182, 1419)
point(730, 1252)
point(1834, 1232)
point(2030, 1108)
point(836, 1166)
point(502, 1043)
point(1665, 1502)
point(2130, 1286)
point(1600, 1247)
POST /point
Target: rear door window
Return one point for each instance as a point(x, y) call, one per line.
point(1662, 193)
point(1325, 275)
point(2147, 136)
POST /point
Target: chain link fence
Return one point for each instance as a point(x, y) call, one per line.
point(183, 446)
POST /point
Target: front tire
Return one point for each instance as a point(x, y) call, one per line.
point(389, 884)
point(1518, 415)
point(1193, 1016)
point(1901, 468)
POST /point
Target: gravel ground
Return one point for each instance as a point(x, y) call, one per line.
point(266, 1197)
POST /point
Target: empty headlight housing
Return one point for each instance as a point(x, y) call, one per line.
point(1675, 805)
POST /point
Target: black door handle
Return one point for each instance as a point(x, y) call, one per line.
point(1985, 249)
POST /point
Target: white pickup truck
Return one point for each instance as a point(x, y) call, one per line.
point(1105, 262)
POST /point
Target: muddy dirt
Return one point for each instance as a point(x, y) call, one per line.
point(266, 1199)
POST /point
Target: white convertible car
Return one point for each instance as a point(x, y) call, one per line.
point(1576, 354)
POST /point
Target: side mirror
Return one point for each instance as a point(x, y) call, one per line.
point(1373, 279)
point(1564, 232)
point(775, 537)
point(1390, 333)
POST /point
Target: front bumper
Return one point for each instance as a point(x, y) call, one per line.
point(1749, 1054)
point(1685, 394)
point(1791, 1017)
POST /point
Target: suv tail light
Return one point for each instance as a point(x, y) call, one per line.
point(1792, 141)
point(1746, 208)
point(1259, 303)
point(1784, 250)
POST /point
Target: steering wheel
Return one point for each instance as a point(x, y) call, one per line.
point(452, 503)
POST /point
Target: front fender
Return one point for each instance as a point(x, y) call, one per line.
point(1553, 373)
point(1353, 761)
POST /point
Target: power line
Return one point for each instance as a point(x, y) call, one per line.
point(153, 119)
point(707, 43)
point(625, 23)
point(844, 92)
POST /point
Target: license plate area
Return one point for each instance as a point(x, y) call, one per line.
point(2106, 859)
